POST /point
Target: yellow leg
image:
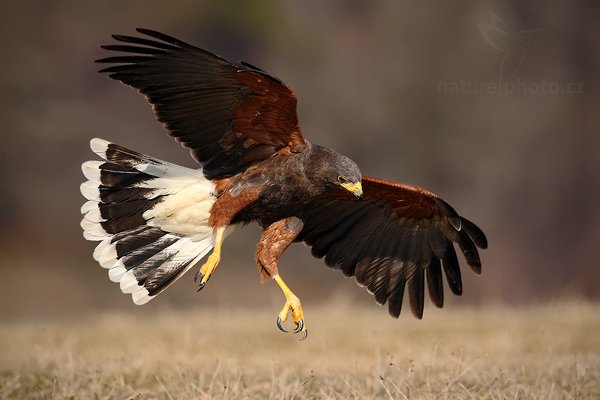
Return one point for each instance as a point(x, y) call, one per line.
point(211, 263)
point(291, 303)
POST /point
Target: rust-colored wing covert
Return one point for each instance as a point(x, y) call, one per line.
point(395, 236)
point(229, 115)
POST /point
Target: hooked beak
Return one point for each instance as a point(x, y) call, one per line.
point(355, 188)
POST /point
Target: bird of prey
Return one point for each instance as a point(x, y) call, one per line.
point(155, 220)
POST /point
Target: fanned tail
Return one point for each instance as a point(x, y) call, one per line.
point(150, 216)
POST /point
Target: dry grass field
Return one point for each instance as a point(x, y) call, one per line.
point(543, 352)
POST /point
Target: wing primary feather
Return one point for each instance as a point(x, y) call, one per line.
point(122, 59)
point(450, 213)
point(395, 272)
point(435, 284)
point(380, 285)
point(416, 292)
point(424, 251)
point(370, 267)
point(164, 37)
point(475, 233)
point(452, 270)
point(395, 299)
point(450, 231)
point(411, 252)
point(116, 71)
point(438, 242)
point(413, 271)
point(390, 270)
point(132, 49)
point(399, 268)
point(143, 42)
point(470, 252)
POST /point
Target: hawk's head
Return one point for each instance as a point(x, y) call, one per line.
point(335, 170)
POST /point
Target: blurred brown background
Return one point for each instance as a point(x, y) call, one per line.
point(493, 105)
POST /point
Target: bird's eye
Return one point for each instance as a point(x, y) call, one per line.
point(342, 180)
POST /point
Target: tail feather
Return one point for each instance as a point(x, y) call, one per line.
point(150, 216)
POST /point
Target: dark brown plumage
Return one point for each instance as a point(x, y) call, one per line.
point(240, 124)
point(395, 235)
point(243, 114)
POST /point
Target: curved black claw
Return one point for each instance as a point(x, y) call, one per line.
point(305, 335)
point(279, 325)
point(299, 326)
point(198, 277)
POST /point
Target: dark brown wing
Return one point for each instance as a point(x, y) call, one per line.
point(394, 236)
point(229, 115)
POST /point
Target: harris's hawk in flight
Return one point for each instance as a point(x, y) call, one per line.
point(155, 220)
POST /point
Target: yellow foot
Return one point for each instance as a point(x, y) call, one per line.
point(292, 303)
point(211, 263)
point(207, 269)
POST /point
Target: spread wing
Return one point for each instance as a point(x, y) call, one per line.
point(395, 236)
point(229, 115)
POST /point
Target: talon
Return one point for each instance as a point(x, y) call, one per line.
point(292, 303)
point(299, 326)
point(279, 325)
point(305, 334)
point(206, 270)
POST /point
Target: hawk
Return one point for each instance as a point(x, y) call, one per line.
point(155, 220)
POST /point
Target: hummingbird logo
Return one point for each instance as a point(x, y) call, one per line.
point(514, 45)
